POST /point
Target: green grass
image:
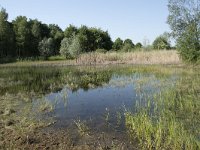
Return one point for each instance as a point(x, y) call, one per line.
point(171, 119)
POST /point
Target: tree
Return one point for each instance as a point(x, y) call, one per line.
point(64, 48)
point(161, 42)
point(129, 41)
point(70, 31)
point(138, 45)
point(36, 36)
point(23, 36)
point(127, 47)
point(6, 35)
point(71, 47)
point(75, 47)
point(184, 21)
point(57, 35)
point(118, 44)
point(46, 47)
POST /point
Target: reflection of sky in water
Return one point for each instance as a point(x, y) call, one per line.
point(119, 92)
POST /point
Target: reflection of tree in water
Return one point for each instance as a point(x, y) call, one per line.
point(86, 80)
point(44, 80)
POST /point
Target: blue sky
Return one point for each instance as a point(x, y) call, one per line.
point(134, 19)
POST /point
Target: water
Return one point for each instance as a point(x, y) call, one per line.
point(95, 96)
point(103, 103)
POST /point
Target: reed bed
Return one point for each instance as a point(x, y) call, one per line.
point(95, 58)
point(137, 57)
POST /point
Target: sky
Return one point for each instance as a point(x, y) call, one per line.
point(134, 19)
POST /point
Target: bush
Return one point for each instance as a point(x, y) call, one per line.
point(127, 48)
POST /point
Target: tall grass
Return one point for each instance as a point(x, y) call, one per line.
point(137, 57)
point(97, 58)
point(171, 118)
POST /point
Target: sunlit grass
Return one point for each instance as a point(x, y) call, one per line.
point(171, 119)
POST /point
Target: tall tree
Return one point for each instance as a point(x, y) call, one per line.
point(70, 31)
point(184, 20)
point(161, 42)
point(23, 36)
point(36, 37)
point(64, 48)
point(46, 47)
point(57, 35)
point(6, 35)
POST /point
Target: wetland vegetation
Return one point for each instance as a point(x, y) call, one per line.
point(79, 89)
point(102, 107)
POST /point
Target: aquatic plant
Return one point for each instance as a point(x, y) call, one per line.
point(171, 118)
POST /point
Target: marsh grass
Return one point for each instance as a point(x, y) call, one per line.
point(82, 127)
point(24, 107)
point(171, 119)
point(96, 58)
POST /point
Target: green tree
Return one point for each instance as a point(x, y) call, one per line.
point(75, 47)
point(64, 48)
point(138, 45)
point(161, 42)
point(6, 36)
point(129, 42)
point(70, 31)
point(23, 36)
point(118, 44)
point(127, 47)
point(184, 21)
point(46, 47)
point(57, 34)
point(36, 37)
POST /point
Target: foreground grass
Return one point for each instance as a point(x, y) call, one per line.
point(95, 58)
point(171, 119)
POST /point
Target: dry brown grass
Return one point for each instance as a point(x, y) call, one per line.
point(137, 57)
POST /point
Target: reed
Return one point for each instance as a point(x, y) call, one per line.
point(171, 119)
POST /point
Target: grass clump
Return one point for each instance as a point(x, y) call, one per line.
point(171, 118)
point(83, 129)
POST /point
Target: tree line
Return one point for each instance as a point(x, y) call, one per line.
point(24, 37)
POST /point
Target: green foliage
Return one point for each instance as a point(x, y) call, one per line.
point(184, 20)
point(170, 118)
point(22, 35)
point(118, 44)
point(138, 45)
point(127, 47)
point(46, 47)
point(6, 36)
point(57, 34)
point(71, 30)
point(129, 41)
point(64, 48)
point(161, 42)
point(75, 47)
point(24, 38)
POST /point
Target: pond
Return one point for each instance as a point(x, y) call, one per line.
point(86, 101)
